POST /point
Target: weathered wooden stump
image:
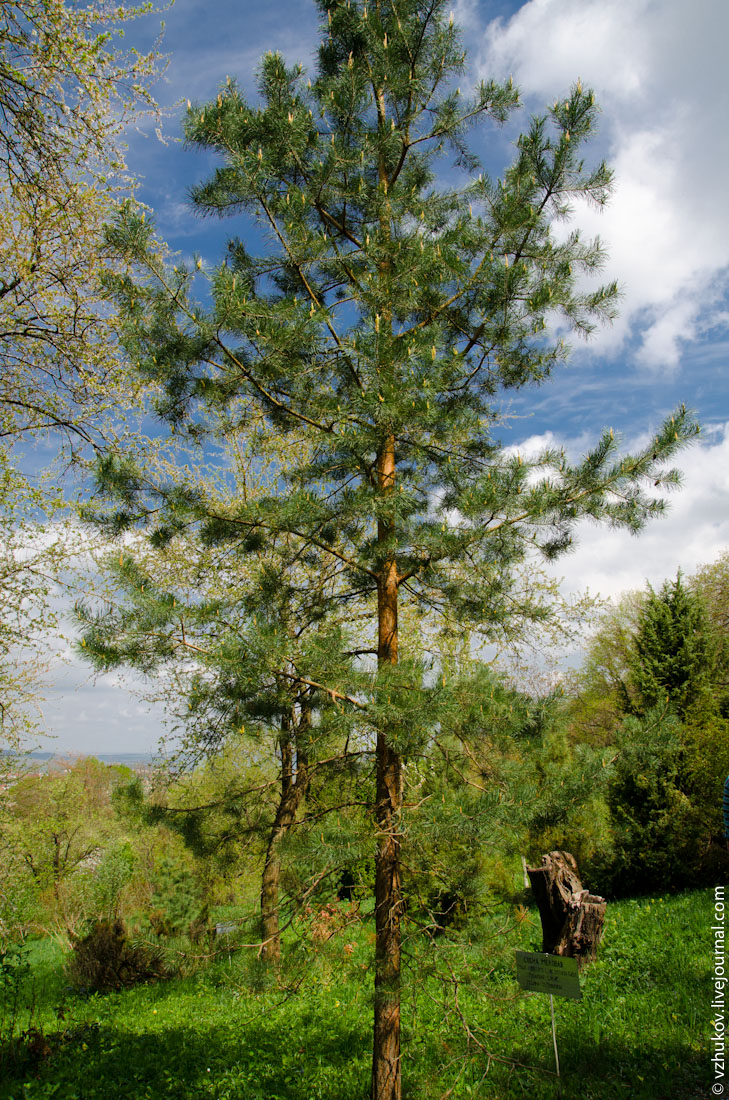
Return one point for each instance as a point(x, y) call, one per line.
point(572, 917)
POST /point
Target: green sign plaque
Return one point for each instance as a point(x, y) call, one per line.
point(555, 974)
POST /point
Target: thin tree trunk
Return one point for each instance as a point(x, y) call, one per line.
point(293, 790)
point(386, 1080)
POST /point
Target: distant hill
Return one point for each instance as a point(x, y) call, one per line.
point(131, 759)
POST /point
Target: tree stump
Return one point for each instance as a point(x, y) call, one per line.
point(572, 917)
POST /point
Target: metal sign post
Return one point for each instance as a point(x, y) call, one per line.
point(554, 1040)
point(556, 975)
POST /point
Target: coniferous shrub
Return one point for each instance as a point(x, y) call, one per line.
point(661, 811)
point(655, 678)
point(105, 959)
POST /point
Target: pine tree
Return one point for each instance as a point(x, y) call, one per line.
point(239, 640)
point(386, 318)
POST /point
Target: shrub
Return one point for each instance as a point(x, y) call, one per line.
point(105, 959)
point(177, 900)
point(15, 994)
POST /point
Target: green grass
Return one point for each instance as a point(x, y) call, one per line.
point(227, 1032)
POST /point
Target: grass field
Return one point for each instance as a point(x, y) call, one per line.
point(228, 1032)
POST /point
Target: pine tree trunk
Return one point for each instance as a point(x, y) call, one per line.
point(293, 789)
point(386, 1080)
point(388, 900)
point(270, 937)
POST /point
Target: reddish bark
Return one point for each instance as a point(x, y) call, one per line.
point(386, 1078)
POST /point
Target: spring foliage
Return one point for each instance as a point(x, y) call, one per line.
point(67, 93)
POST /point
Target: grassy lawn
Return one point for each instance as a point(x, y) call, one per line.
point(640, 1031)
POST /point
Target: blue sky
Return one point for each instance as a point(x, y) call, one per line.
point(658, 71)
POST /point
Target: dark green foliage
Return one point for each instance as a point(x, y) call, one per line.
point(127, 800)
point(673, 656)
point(655, 681)
point(177, 899)
point(665, 794)
point(105, 959)
point(653, 824)
point(665, 805)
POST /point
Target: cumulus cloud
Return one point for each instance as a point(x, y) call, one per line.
point(657, 68)
point(694, 532)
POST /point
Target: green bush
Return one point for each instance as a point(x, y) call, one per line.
point(656, 831)
point(15, 1009)
point(177, 903)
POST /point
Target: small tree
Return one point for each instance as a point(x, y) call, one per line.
point(672, 661)
point(596, 691)
point(387, 319)
point(243, 643)
point(67, 93)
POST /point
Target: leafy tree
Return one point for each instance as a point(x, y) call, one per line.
point(596, 691)
point(41, 560)
point(29, 559)
point(67, 93)
point(56, 826)
point(711, 583)
point(387, 318)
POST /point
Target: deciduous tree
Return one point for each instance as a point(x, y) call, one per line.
point(67, 93)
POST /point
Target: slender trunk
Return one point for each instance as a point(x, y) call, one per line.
point(56, 863)
point(293, 790)
point(386, 1081)
point(386, 1078)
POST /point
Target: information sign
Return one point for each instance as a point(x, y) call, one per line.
point(554, 974)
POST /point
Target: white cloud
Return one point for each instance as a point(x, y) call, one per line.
point(87, 714)
point(658, 70)
point(694, 532)
point(532, 446)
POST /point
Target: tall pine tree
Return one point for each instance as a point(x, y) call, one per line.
point(387, 317)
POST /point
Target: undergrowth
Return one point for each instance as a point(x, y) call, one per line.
point(231, 1031)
